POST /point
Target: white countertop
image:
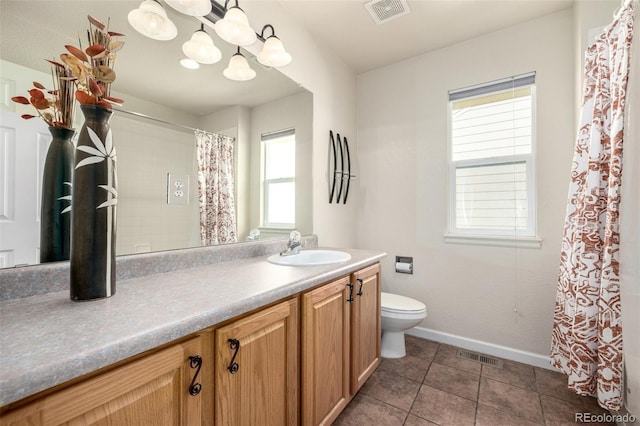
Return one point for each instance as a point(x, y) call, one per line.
point(48, 339)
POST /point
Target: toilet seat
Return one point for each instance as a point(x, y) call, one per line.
point(396, 304)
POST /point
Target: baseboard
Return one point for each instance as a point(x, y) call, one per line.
point(505, 352)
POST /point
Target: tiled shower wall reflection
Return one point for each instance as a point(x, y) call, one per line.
point(146, 154)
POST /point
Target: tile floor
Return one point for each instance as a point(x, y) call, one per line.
point(432, 386)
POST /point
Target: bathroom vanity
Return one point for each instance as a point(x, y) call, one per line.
point(229, 343)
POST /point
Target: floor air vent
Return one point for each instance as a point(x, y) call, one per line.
point(385, 10)
point(483, 359)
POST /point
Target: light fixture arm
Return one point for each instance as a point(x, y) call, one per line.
point(226, 5)
point(261, 35)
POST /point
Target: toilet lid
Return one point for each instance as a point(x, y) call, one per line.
point(394, 302)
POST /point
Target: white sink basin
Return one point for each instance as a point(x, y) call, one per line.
point(310, 258)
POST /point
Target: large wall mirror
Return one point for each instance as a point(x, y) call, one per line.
point(155, 145)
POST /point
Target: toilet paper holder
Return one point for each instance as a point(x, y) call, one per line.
point(404, 264)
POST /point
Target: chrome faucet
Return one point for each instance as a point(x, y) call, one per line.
point(295, 244)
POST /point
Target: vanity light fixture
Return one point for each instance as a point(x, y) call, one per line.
point(151, 20)
point(239, 69)
point(230, 24)
point(234, 27)
point(273, 53)
point(201, 49)
point(191, 7)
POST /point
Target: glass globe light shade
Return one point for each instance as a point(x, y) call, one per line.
point(201, 48)
point(151, 20)
point(191, 7)
point(189, 63)
point(273, 53)
point(238, 69)
point(234, 28)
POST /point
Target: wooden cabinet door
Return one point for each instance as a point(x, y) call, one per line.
point(365, 326)
point(325, 352)
point(153, 390)
point(256, 378)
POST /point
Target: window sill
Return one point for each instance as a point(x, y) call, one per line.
point(275, 229)
point(494, 241)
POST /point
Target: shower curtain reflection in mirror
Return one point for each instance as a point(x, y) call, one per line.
point(216, 188)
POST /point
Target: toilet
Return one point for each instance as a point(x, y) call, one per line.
point(398, 313)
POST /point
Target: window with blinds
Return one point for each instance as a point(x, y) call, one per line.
point(491, 158)
point(279, 179)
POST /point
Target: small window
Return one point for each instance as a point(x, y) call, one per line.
point(279, 179)
point(491, 153)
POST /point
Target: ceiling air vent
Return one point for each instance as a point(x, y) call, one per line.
point(385, 10)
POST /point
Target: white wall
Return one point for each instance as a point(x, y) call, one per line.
point(333, 85)
point(470, 291)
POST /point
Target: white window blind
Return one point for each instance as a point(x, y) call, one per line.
point(491, 158)
point(279, 179)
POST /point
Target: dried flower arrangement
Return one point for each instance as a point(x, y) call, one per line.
point(57, 109)
point(90, 71)
point(93, 67)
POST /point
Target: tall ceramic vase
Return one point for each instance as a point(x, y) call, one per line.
point(55, 206)
point(93, 246)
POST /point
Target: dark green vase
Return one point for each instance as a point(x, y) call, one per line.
point(55, 217)
point(93, 240)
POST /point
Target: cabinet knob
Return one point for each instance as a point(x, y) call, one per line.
point(195, 362)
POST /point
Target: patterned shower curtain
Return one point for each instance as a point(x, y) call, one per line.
point(216, 188)
point(587, 331)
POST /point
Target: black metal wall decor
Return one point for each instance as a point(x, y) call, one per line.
point(339, 178)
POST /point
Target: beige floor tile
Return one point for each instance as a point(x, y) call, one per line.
point(447, 356)
point(364, 411)
point(554, 384)
point(417, 421)
point(443, 408)
point(452, 380)
point(511, 399)
point(458, 392)
point(514, 373)
point(391, 389)
point(409, 367)
point(561, 412)
point(489, 416)
point(420, 348)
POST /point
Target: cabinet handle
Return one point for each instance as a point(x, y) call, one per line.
point(196, 362)
point(234, 345)
point(360, 289)
point(350, 298)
